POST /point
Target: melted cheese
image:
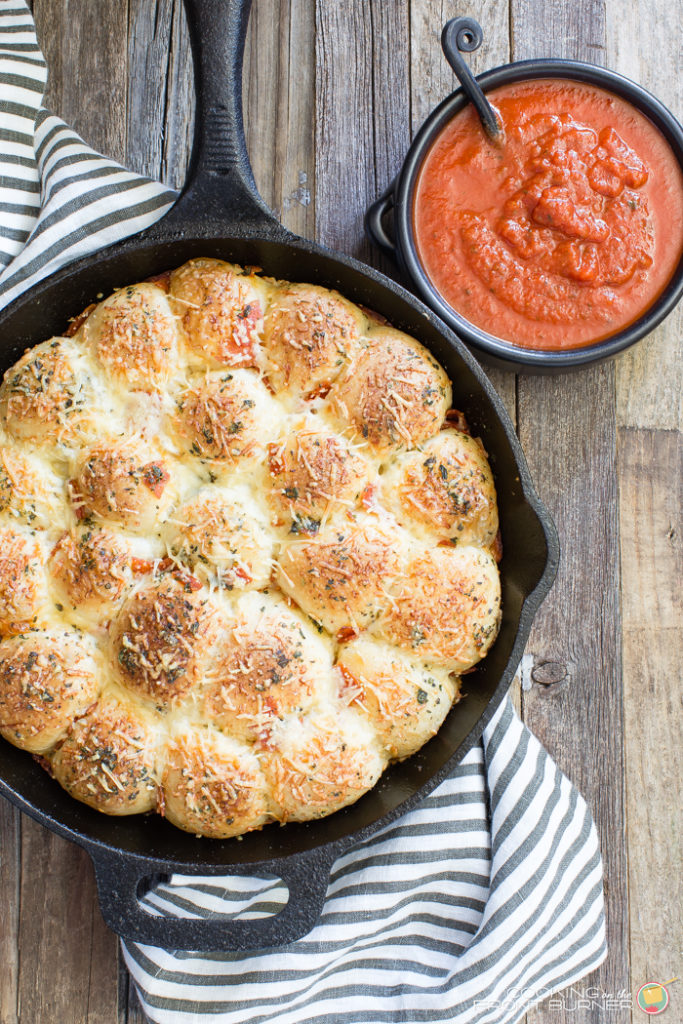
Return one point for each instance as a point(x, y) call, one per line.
point(445, 491)
point(133, 334)
point(310, 335)
point(220, 310)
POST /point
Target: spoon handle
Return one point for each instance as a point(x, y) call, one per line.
point(465, 34)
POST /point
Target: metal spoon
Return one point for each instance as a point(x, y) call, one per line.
point(465, 34)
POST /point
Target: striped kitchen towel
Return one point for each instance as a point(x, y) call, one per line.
point(483, 900)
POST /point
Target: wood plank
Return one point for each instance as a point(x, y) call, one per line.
point(260, 91)
point(87, 58)
point(362, 119)
point(574, 701)
point(647, 396)
point(179, 117)
point(160, 91)
point(279, 85)
point(390, 70)
point(149, 57)
point(567, 428)
point(651, 480)
point(344, 125)
point(10, 890)
point(650, 395)
point(67, 955)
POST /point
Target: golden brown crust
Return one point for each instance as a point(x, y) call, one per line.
point(27, 489)
point(221, 537)
point(223, 416)
point(446, 490)
point(46, 679)
point(219, 310)
point(310, 335)
point(47, 397)
point(313, 472)
point(123, 483)
point(108, 760)
point(159, 637)
point(93, 569)
point(447, 610)
point(134, 336)
point(340, 576)
point(213, 786)
point(405, 700)
point(267, 664)
point(393, 395)
point(22, 580)
point(317, 765)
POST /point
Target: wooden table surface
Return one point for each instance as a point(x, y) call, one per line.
point(334, 91)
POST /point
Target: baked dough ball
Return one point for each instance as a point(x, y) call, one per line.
point(223, 538)
point(46, 679)
point(227, 416)
point(22, 579)
point(393, 395)
point(29, 489)
point(92, 569)
point(134, 336)
point(108, 760)
point(340, 577)
point(213, 785)
point(220, 310)
point(310, 335)
point(268, 664)
point(405, 700)
point(49, 397)
point(319, 764)
point(447, 608)
point(445, 491)
point(159, 639)
point(125, 483)
point(313, 472)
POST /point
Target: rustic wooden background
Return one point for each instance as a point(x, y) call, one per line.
point(334, 91)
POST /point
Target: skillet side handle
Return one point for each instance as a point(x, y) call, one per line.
point(220, 194)
point(374, 222)
point(121, 882)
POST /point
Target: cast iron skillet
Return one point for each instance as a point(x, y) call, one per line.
point(220, 214)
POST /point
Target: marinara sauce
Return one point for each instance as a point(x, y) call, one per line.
point(563, 235)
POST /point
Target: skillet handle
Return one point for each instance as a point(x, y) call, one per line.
point(220, 194)
point(121, 881)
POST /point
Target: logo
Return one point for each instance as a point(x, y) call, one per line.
point(653, 998)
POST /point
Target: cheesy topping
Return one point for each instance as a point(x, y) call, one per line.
point(310, 335)
point(393, 394)
point(109, 758)
point(46, 680)
point(134, 336)
point(220, 310)
point(445, 491)
point(246, 550)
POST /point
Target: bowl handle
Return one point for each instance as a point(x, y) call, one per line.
point(374, 227)
point(121, 880)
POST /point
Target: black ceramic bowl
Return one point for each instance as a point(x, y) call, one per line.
point(398, 200)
